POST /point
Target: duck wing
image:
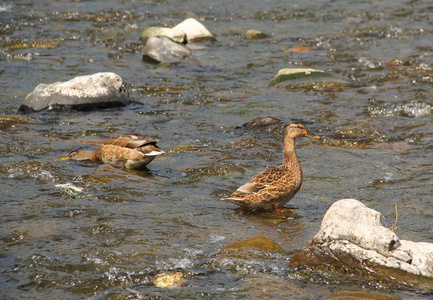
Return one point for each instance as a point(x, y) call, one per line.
point(250, 188)
point(131, 141)
point(262, 180)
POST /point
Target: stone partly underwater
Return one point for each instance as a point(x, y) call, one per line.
point(352, 240)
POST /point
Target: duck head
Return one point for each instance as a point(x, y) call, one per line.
point(296, 129)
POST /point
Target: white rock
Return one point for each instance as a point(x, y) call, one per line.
point(421, 254)
point(100, 89)
point(194, 30)
point(350, 220)
point(352, 228)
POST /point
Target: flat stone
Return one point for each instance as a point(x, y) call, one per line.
point(308, 78)
point(258, 243)
point(98, 90)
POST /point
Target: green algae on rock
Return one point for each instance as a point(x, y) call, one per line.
point(253, 34)
point(308, 78)
point(190, 30)
point(258, 243)
point(176, 35)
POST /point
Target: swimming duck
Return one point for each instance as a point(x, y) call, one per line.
point(130, 151)
point(274, 187)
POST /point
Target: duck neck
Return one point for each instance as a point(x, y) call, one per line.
point(290, 159)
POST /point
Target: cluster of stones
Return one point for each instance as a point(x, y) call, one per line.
point(351, 236)
point(164, 46)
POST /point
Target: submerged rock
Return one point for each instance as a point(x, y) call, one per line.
point(351, 295)
point(258, 243)
point(352, 239)
point(12, 123)
point(164, 50)
point(264, 286)
point(187, 31)
point(308, 78)
point(98, 90)
point(260, 122)
point(253, 34)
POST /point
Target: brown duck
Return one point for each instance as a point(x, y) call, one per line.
point(274, 187)
point(130, 151)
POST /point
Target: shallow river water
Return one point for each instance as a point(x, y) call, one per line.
point(71, 230)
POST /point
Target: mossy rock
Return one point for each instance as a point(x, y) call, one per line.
point(253, 34)
point(256, 243)
point(176, 35)
point(308, 78)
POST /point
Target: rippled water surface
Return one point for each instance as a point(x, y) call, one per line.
point(73, 230)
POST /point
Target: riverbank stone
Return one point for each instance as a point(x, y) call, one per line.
point(190, 30)
point(99, 90)
point(353, 240)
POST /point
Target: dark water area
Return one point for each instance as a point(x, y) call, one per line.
point(74, 230)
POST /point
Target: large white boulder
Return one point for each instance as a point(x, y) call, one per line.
point(353, 236)
point(83, 92)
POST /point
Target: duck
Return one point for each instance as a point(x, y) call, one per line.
point(272, 188)
point(129, 151)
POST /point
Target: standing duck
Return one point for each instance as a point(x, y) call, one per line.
point(274, 187)
point(130, 151)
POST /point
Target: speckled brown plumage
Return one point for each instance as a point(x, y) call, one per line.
point(130, 151)
point(274, 187)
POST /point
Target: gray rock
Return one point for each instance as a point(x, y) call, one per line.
point(260, 122)
point(98, 90)
point(352, 233)
point(165, 50)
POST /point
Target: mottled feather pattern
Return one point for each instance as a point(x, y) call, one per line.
point(274, 187)
point(130, 141)
point(131, 151)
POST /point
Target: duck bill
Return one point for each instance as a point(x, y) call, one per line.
point(312, 135)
